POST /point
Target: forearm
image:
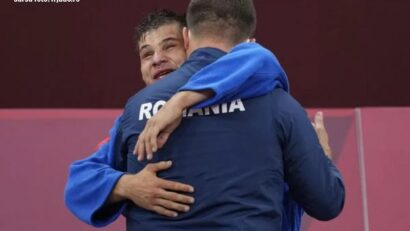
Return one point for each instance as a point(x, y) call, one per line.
point(88, 188)
point(248, 70)
point(90, 183)
point(186, 99)
point(313, 179)
point(323, 197)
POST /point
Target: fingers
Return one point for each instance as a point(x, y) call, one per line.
point(142, 146)
point(144, 136)
point(139, 150)
point(319, 120)
point(160, 166)
point(151, 140)
point(162, 139)
point(161, 196)
point(176, 197)
point(164, 121)
point(171, 205)
point(147, 141)
point(175, 186)
point(163, 211)
point(321, 132)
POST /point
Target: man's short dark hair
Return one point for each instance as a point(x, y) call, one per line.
point(233, 19)
point(156, 19)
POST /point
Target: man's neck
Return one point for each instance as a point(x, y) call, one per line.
point(202, 43)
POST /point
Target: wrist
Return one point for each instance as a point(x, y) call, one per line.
point(185, 99)
point(119, 192)
point(178, 103)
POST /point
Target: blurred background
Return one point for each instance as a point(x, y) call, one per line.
point(82, 55)
point(67, 69)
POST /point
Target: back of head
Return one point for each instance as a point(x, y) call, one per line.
point(231, 20)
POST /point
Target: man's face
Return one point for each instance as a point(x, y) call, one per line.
point(161, 51)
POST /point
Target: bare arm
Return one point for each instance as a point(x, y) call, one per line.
point(161, 125)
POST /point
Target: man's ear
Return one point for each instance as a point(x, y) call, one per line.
point(185, 35)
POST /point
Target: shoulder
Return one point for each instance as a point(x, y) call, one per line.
point(284, 100)
point(288, 117)
point(284, 106)
point(251, 48)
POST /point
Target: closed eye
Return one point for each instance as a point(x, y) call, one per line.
point(146, 55)
point(169, 46)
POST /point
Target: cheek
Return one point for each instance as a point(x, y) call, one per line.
point(145, 72)
point(179, 58)
point(147, 80)
point(144, 69)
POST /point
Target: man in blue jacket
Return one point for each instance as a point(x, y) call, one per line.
point(237, 155)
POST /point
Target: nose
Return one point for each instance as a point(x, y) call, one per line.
point(158, 58)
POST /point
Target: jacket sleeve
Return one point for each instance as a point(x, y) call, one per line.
point(248, 70)
point(314, 181)
point(90, 182)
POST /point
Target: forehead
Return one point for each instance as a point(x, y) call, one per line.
point(154, 37)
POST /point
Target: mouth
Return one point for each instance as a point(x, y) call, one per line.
point(162, 73)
